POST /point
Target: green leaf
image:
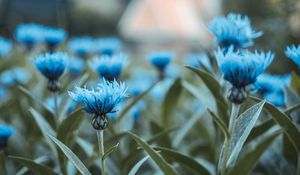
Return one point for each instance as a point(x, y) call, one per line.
point(249, 160)
point(110, 150)
point(286, 124)
point(187, 161)
point(3, 163)
point(33, 166)
point(220, 123)
point(170, 102)
point(292, 109)
point(133, 102)
point(212, 84)
point(137, 166)
point(161, 135)
point(182, 132)
point(260, 129)
point(35, 99)
point(157, 158)
point(71, 156)
point(163, 139)
point(244, 124)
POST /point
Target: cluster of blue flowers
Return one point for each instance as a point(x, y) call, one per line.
point(15, 76)
point(5, 47)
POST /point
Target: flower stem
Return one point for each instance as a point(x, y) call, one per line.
point(227, 146)
point(56, 108)
point(101, 150)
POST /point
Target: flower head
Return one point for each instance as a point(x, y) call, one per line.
point(109, 67)
point(293, 52)
point(160, 60)
point(5, 47)
point(29, 34)
point(233, 30)
point(5, 133)
point(15, 76)
point(101, 101)
point(108, 46)
point(51, 65)
point(53, 36)
point(81, 46)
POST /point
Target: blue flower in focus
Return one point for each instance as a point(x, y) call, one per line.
point(241, 68)
point(54, 36)
point(197, 59)
point(76, 65)
point(101, 101)
point(29, 34)
point(161, 60)
point(5, 47)
point(108, 46)
point(293, 52)
point(15, 76)
point(5, 133)
point(109, 67)
point(51, 65)
point(272, 87)
point(233, 30)
point(81, 46)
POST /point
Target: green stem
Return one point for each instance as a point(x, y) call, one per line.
point(56, 107)
point(101, 150)
point(226, 147)
point(298, 164)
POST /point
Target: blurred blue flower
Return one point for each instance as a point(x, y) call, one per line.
point(15, 76)
point(81, 46)
point(101, 101)
point(140, 81)
point(233, 30)
point(108, 46)
point(161, 60)
point(51, 65)
point(272, 87)
point(197, 58)
point(29, 34)
point(241, 68)
point(160, 89)
point(136, 110)
point(76, 65)
point(6, 132)
point(109, 67)
point(53, 36)
point(293, 52)
point(5, 47)
point(50, 102)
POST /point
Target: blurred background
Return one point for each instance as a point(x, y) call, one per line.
point(153, 24)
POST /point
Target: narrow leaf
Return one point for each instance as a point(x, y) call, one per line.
point(220, 123)
point(292, 109)
point(157, 158)
point(137, 166)
point(110, 150)
point(33, 166)
point(71, 156)
point(260, 129)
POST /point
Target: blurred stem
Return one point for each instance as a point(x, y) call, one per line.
point(56, 108)
point(226, 147)
point(101, 150)
point(298, 164)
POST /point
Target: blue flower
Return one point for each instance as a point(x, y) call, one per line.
point(241, 68)
point(54, 36)
point(108, 46)
point(101, 101)
point(81, 46)
point(197, 58)
point(5, 47)
point(29, 34)
point(293, 52)
point(5, 133)
point(233, 30)
point(76, 65)
point(15, 76)
point(109, 67)
point(51, 65)
point(161, 59)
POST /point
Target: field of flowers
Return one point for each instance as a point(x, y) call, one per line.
point(83, 105)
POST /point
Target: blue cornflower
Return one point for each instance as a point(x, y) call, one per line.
point(108, 46)
point(5, 47)
point(109, 67)
point(15, 76)
point(76, 65)
point(52, 66)
point(241, 68)
point(29, 34)
point(196, 58)
point(233, 30)
point(272, 87)
point(161, 59)
point(293, 52)
point(53, 36)
point(101, 101)
point(81, 46)
point(5, 133)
